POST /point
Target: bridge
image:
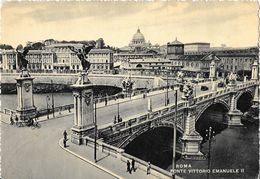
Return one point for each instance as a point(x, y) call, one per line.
point(148, 82)
point(114, 138)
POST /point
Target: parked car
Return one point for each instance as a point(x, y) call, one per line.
point(221, 84)
point(194, 81)
point(204, 88)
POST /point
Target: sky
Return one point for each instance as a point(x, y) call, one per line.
point(232, 23)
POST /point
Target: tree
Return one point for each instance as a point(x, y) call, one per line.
point(5, 46)
point(37, 46)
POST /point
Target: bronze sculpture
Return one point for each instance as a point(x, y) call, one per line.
point(82, 55)
point(21, 54)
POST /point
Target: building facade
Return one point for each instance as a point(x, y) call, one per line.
point(196, 47)
point(59, 58)
point(102, 60)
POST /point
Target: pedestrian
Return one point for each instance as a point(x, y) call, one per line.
point(128, 167)
point(106, 101)
point(37, 115)
point(65, 135)
point(69, 108)
point(148, 168)
point(133, 165)
point(64, 143)
point(115, 119)
point(11, 120)
point(16, 119)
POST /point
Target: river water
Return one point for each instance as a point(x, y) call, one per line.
point(10, 101)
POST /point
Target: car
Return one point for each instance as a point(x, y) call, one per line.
point(194, 81)
point(204, 88)
point(221, 84)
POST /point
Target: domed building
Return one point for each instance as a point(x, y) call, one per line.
point(138, 39)
point(138, 42)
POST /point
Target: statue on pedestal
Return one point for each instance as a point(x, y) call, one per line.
point(180, 77)
point(232, 78)
point(187, 91)
point(127, 85)
point(22, 62)
point(82, 55)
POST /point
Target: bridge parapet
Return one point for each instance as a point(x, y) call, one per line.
point(121, 155)
point(117, 133)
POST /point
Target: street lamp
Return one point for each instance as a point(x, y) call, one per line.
point(167, 90)
point(210, 134)
point(118, 115)
point(47, 99)
point(52, 98)
point(95, 132)
point(174, 136)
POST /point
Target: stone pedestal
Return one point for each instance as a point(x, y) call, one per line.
point(84, 109)
point(214, 85)
point(25, 101)
point(235, 118)
point(191, 146)
point(149, 107)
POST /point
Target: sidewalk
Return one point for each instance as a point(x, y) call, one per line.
point(5, 118)
point(107, 163)
point(136, 97)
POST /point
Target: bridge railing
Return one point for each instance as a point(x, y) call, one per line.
point(43, 112)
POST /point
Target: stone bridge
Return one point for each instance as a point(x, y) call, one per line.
point(148, 82)
point(188, 113)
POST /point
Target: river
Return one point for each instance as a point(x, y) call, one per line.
point(10, 101)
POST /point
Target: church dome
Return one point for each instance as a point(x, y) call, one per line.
point(138, 36)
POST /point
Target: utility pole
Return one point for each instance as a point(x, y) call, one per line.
point(167, 90)
point(210, 135)
point(118, 112)
point(52, 98)
point(47, 105)
point(174, 136)
point(95, 137)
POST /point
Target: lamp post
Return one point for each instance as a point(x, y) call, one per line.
point(118, 112)
point(174, 137)
point(167, 90)
point(52, 98)
point(47, 105)
point(95, 137)
point(210, 134)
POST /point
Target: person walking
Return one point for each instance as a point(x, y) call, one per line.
point(65, 135)
point(64, 143)
point(128, 167)
point(148, 168)
point(11, 120)
point(133, 165)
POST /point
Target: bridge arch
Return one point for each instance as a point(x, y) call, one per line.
point(213, 114)
point(221, 102)
point(164, 124)
point(155, 145)
point(244, 100)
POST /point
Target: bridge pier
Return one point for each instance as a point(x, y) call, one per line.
point(191, 139)
point(234, 114)
point(83, 115)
